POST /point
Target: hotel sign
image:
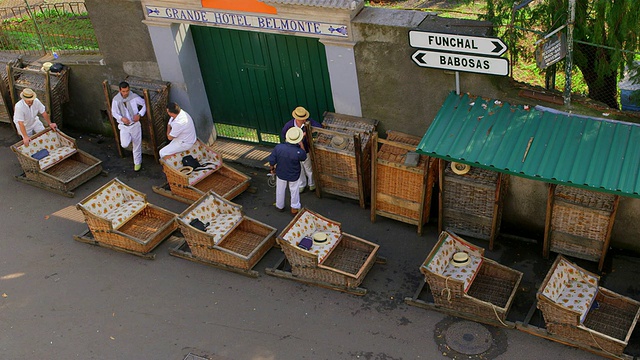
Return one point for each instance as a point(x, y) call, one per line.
point(246, 21)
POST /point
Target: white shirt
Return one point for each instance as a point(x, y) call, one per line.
point(182, 128)
point(135, 102)
point(28, 114)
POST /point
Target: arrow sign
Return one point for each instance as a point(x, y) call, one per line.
point(476, 45)
point(461, 62)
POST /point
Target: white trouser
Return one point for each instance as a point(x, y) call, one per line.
point(281, 187)
point(175, 146)
point(306, 173)
point(36, 127)
point(132, 135)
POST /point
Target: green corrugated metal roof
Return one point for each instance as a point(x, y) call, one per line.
point(590, 153)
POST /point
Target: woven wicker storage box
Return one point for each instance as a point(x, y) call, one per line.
point(341, 154)
point(154, 123)
point(63, 175)
point(488, 292)
point(344, 264)
point(239, 243)
point(51, 88)
point(579, 222)
point(221, 179)
point(137, 231)
point(471, 204)
point(604, 323)
point(399, 191)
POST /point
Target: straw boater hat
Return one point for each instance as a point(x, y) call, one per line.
point(319, 237)
point(460, 259)
point(28, 94)
point(300, 113)
point(46, 66)
point(339, 142)
point(294, 135)
point(460, 168)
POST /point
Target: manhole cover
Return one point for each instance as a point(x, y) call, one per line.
point(463, 339)
point(468, 338)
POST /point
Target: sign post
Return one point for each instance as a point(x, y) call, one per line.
point(476, 45)
point(461, 62)
point(475, 54)
point(551, 50)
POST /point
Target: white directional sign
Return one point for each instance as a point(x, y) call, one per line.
point(476, 45)
point(461, 62)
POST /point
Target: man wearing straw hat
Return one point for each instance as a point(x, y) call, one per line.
point(25, 115)
point(300, 117)
point(285, 160)
point(127, 108)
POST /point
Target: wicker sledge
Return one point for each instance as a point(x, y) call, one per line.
point(189, 187)
point(119, 217)
point(231, 240)
point(65, 167)
point(341, 153)
point(482, 290)
point(576, 308)
point(341, 262)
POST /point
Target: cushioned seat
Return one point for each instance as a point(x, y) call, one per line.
point(221, 216)
point(115, 202)
point(59, 146)
point(441, 263)
point(309, 224)
point(200, 152)
point(571, 287)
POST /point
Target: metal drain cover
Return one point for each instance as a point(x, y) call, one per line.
point(463, 339)
point(468, 338)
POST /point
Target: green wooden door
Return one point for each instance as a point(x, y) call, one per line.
point(254, 80)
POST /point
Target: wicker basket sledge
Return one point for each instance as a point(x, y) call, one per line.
point(579, 222)
point(120, 217)
point(575, 307)
point(482, 289)
point(343, 261)
point(230, 239)
point(471, 203)
point(341, 153)
point(399, 191)
point(154, 122)
point(217, 176)
point(64, 169)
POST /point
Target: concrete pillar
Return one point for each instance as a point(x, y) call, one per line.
point(178, 63)
point(343, 76)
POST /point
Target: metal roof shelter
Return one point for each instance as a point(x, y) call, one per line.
point(590, 153)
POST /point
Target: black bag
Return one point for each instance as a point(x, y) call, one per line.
point(56, 68)
point(194, 163)
point(40, 154)
point(198, 224)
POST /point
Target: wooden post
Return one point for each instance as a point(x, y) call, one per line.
point(357, 150)
point(150, 119)
point(496, 211)
point(12, 95)
point(308, 132)
point(440, 194)
point(47, 97)
point(607, 239)
point(547, 223)
point(116, 133)
point(374, 182)
point(423, 198)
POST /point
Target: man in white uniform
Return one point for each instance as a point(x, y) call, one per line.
point(127, 108)
point(180, 131)
point(26, 116)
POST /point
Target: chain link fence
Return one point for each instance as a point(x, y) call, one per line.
point(47, 28)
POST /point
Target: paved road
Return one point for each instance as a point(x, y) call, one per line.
point(69, 300)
